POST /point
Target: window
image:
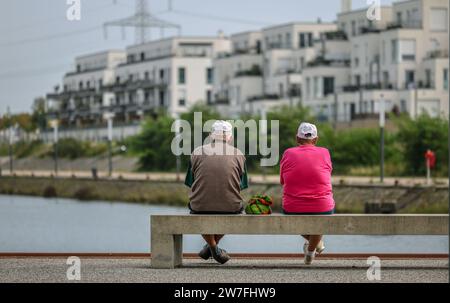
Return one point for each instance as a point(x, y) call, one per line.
point(288, 40)
point(428, 78)
point(409, 78)
point(80, 85)
point(439, 19)
point(182, 97)
point(258, 46)
point(146, 75)
point(161, 98)
point(445, 79)
point(399, 18)
point(308, 91)
point(310, 40)
point(357, 80)
point(408, 50)
point(385, 79)
point(403, 106)
point(161, 74)
point(302, 40)
point(142, 56)
point(78, 67)
point(117, 79)
point(281, 89)
point(208, 97)
point(328, 85)
point(302, 63)
point(209, 75)
point(353, 28)
point(100, 83)
point(88, 84)
point(181, 75)
point(394, 51)
point(316, 87)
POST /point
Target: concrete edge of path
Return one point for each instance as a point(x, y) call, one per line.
point(394, 256)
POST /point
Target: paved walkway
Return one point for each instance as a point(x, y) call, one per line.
point(237, 270)
point(348, 180)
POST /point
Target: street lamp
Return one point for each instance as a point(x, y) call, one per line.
point(10, 148)
point(178, 159)
point(382, 125)
point(54, 124)
point(10, 140)
point(109, 118)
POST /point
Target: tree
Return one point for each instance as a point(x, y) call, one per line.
point(416, 136)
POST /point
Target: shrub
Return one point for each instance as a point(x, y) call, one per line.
point(49, 192)
point(85, 193)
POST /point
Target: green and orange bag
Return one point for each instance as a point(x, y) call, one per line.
point(259, 205)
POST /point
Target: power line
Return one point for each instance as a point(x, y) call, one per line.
point(51, 20)
point(51, 37)
point(218, 18)
point(35, 71)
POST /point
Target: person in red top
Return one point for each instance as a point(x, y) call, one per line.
point(305, 174)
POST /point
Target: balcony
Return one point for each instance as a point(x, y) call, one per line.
point(335, 36)
point(373, 86)
point(440, 53)
point(254, 71)
point(264, 97)
point(321, 61)
point(409, 24)
point(369, 30)
point(222, 101)
point(132, 85)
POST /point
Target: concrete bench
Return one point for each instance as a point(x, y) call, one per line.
point(167, 230)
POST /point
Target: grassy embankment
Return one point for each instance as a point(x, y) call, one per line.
point(349, 199)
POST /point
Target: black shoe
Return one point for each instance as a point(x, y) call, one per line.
point(220, 255)
point(205, 253)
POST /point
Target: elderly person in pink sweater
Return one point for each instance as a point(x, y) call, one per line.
point(305, 174)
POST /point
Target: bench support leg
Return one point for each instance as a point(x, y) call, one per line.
point(166, 250)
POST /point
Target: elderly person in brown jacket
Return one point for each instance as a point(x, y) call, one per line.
point(216, 175)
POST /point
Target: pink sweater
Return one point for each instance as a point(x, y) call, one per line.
point(305, 173)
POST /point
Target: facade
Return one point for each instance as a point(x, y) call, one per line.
point(340, 70)
point(170, 74)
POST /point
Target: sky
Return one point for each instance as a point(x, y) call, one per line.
point(38, 44)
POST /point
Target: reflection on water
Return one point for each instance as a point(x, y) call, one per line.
point(34, 224)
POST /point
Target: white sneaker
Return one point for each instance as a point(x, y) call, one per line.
point(305, 247)
point(309, 257)
point(320, 248)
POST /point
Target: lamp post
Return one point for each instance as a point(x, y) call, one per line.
point(178, 159)
point(10, 148)
point(382, 125)
point(10, 142)
point(263, 134)
point(54, 125)
point(109, 118)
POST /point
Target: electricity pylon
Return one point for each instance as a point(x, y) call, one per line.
point(142, 21)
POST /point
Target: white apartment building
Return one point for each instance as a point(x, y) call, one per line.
point(170, 74)
point(342, 70)
point(339, 70)
point(264, 68)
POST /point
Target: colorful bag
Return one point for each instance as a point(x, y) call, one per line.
point(259, 205)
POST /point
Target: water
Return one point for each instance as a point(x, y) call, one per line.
point(35, 224)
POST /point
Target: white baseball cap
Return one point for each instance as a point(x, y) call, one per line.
point(307, 131)
point(221, 128)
